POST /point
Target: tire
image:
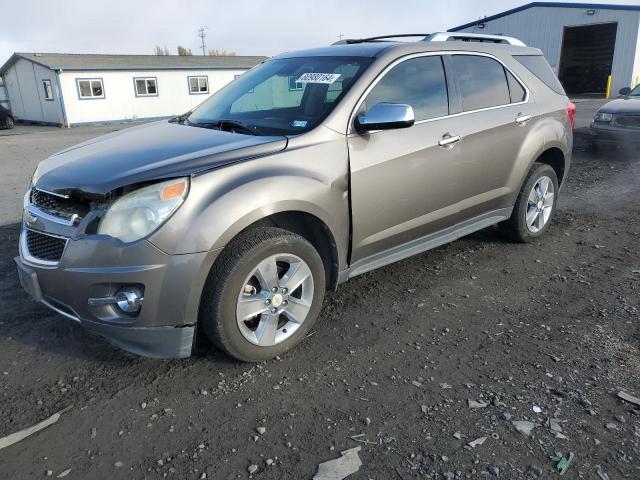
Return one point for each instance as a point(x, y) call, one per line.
point(239, 283)
point(8, 123)
point(517, 228)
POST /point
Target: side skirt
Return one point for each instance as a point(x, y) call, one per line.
point(425, 243)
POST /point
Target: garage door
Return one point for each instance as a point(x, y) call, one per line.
point(587, 57)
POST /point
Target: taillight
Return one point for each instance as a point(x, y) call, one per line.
point(571, 113)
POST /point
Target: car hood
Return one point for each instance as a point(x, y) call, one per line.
point(622, 105)
point(144, 153)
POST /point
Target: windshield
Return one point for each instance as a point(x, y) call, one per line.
point(635, 92)
point(281, 97)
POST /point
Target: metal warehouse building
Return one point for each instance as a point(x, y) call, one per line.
point(77, 89)
point(584, 43)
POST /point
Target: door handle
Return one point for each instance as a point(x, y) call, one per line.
point(449, 141)
point(522, 119)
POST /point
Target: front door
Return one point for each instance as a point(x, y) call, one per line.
point(405, 182)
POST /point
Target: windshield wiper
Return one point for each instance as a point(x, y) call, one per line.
point(180, 118)
point(231, 125)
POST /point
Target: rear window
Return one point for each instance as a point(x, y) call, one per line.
point(539, 66)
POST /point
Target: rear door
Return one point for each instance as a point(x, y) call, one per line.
point(404, 185)
point(495, 120)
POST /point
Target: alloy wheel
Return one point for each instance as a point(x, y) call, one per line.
point(540, 204)
point(275, 299)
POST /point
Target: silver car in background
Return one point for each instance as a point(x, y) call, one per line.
point(316, 166)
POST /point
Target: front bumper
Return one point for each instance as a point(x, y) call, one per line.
point(610, 133)
point(96, 266)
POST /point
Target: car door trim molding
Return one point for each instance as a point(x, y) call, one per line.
point(397, 61)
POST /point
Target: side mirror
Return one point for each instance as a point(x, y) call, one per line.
point(385, 116)
point(624, 92)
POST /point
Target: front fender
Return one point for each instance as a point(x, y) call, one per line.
point(222, 203)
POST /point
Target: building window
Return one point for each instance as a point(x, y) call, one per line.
point(48, 91)
point(146, 87)
point(198, 85)
point(90, 88)
point(293, 85)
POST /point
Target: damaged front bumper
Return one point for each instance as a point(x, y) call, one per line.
point(98, 267)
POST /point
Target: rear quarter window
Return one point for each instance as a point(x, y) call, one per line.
point(539, 66)
point(516, 90)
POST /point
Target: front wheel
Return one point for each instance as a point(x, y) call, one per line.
point(8, 123)
point(535, 205)
point(263, 294)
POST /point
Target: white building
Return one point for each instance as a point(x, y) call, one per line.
point(78, 89)
point(583, 42)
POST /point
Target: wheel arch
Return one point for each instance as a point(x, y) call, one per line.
point(308, 225)
point(548, 141)
point(555, 158)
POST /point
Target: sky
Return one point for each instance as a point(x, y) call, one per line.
point(246, 27)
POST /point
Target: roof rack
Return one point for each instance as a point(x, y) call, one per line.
point(348, 41)
point(473, 37)
point(439, 37)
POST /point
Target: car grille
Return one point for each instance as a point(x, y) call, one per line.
point(632, 121)
point(57, 206)
point(45, 247)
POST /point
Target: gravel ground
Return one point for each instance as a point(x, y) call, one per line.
point(396, 361)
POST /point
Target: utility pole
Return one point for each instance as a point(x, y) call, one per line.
point(202, 34)
point(340, 35)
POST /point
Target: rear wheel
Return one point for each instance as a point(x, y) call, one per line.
point(535, 205)
point(8, 123)
point(263, 294)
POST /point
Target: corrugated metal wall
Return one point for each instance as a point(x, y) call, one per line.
point(543, 27)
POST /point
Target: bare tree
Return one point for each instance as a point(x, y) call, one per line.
point(183, 52)
point(221, 53)
point(158, 50)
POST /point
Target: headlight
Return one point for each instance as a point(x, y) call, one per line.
point(142, 211)
point(603, 117)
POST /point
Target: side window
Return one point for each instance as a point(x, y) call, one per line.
point(198, 85)
point(146, 87)
point(539, 66)
point(293, 85)
point(419, 82)
point(48, 91)
point(482, 82)
point(89, 88)
point(516, 91)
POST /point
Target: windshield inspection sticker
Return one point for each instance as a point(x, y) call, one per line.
point(327, 78)
point(299, 124)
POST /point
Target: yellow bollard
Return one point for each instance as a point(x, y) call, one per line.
point(608, 86)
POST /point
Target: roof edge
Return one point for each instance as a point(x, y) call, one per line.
point(596, 6)
point(28, 56)
point(12, 59)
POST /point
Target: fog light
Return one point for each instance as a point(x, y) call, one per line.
point(129, 300)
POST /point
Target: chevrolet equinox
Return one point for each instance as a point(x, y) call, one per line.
point(233, 219)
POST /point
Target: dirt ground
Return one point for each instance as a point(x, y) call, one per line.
point(393, 362)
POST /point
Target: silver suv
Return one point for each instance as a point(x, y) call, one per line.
point(232, 220)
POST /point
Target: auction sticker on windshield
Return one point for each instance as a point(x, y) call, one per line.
point(326, 78)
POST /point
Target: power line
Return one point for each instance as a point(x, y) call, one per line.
point(202, 34)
